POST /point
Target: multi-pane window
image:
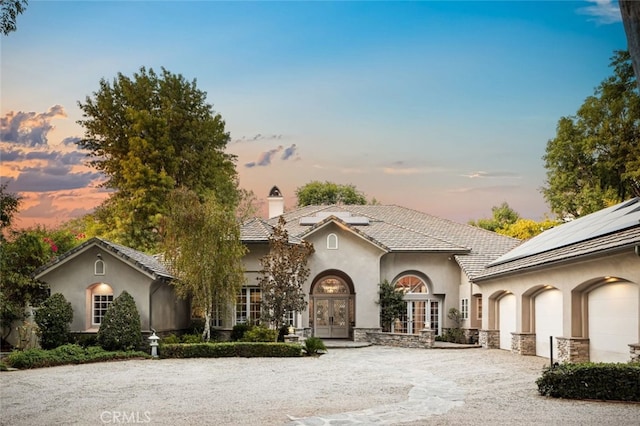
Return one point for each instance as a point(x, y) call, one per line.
point(464, 308)
point(434, 316)
point(216, 315)
point(248, 306)
point(479, 307)
point(101, 303)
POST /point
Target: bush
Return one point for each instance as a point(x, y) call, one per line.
point(53, 318)
point(238, 331)
point(314, 346)
point(259, 334)
point(284, 330)
point(66, 354)
point(120, 327)
point(191, 338)
point(231, 349)
point(169, 340)
point(607, 381)
point(85, 340)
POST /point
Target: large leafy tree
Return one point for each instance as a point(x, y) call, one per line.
point(202, 245)
point(594, 160)
point(630, 11)
point(149, 134)
point(284, 272)
point(502, 216)
point(10, 9)
point(9, 205)
point(323, 193)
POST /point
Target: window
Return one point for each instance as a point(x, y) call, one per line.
point(435, 316)
point(248, 306)
point(99, 267)
point(332, 242)
point(420, 308)
point(216, 315)
point(479, 307)
point(101, 303)
point(464, 308)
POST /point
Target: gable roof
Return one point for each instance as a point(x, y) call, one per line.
point(399, 229)
point(611, 229)
point(151, 265)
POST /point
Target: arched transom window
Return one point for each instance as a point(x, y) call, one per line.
point(410, 284)
point(331, 286)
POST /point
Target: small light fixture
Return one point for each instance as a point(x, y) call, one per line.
point(99, 256)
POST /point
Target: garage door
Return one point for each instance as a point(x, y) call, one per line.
point(548, 320)
point(507, 320)
point(613, 321)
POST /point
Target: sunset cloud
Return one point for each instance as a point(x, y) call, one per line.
point(265, 158)
point(29, 128)
point(404, 168)
point(482, 174)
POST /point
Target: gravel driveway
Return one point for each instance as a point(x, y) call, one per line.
point(375, 384)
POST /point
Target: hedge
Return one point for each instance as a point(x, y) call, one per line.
point(603, 381)
point(230, 349)
point(66, 354)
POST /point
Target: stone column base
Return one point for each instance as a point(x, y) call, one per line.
point(489, 339)
point(291, 338)
point(427, 337)
point(634, 349)
point(573, 349)
point(523, 343)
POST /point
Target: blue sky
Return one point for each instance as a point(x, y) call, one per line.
point(445, 107)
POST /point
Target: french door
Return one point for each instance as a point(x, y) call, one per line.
point(331, 317)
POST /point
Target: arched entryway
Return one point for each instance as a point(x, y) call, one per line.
point(332, 306)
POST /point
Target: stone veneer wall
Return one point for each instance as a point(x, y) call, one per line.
point(360, 334)
point(424, 340)
point(523, 343)
point(573, 349)
point(634, 349)
point(471, 335)
point(489, 339)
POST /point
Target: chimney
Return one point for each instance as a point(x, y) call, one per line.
point(276, 202)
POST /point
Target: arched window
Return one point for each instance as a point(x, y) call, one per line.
point(332, 242)
point(331, 286)
point(423, 310)
point(99, 267)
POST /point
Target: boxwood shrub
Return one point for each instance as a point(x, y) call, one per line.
point(66, 354)
point(231, 349)
point(604, 381)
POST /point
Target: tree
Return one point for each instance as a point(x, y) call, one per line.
point(503, 216)
point(150, 134)
point(202, 244)
point(392, 304)
point(594, 160)
point(318, 193)
point(10, 11)
point(630, 11)
point(284, 271)
point(20, 255)
point(523, 229)
point(53, 319)
point(9, 205)
point(120, 328)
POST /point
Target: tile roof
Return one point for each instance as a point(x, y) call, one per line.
point(613, 228)
point(399, 229)
point(148, 263)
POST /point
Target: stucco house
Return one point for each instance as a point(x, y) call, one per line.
point(577, 283)
point(432, 260)
point(91, 275)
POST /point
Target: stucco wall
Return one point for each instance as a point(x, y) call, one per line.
point(574, 279)
point(76, 275)
point(168, 312)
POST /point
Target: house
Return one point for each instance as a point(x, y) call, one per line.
point(433, 261)
point(573, 289)
point(91, 275)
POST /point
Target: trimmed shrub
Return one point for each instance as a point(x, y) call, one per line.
point(85, 340)
point(120, 327)
point(231, 349)
point(238, 331)
point(259, 334)
point(53, 318)
point(66, 354)
point(170, 339)
point(191, 338)
point(605, 381)
point(314, 346)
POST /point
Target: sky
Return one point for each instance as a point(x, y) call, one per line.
point(441, 106)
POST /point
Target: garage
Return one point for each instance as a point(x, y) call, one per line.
point(613, 321)
point(548, 321)
point(507, 320)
